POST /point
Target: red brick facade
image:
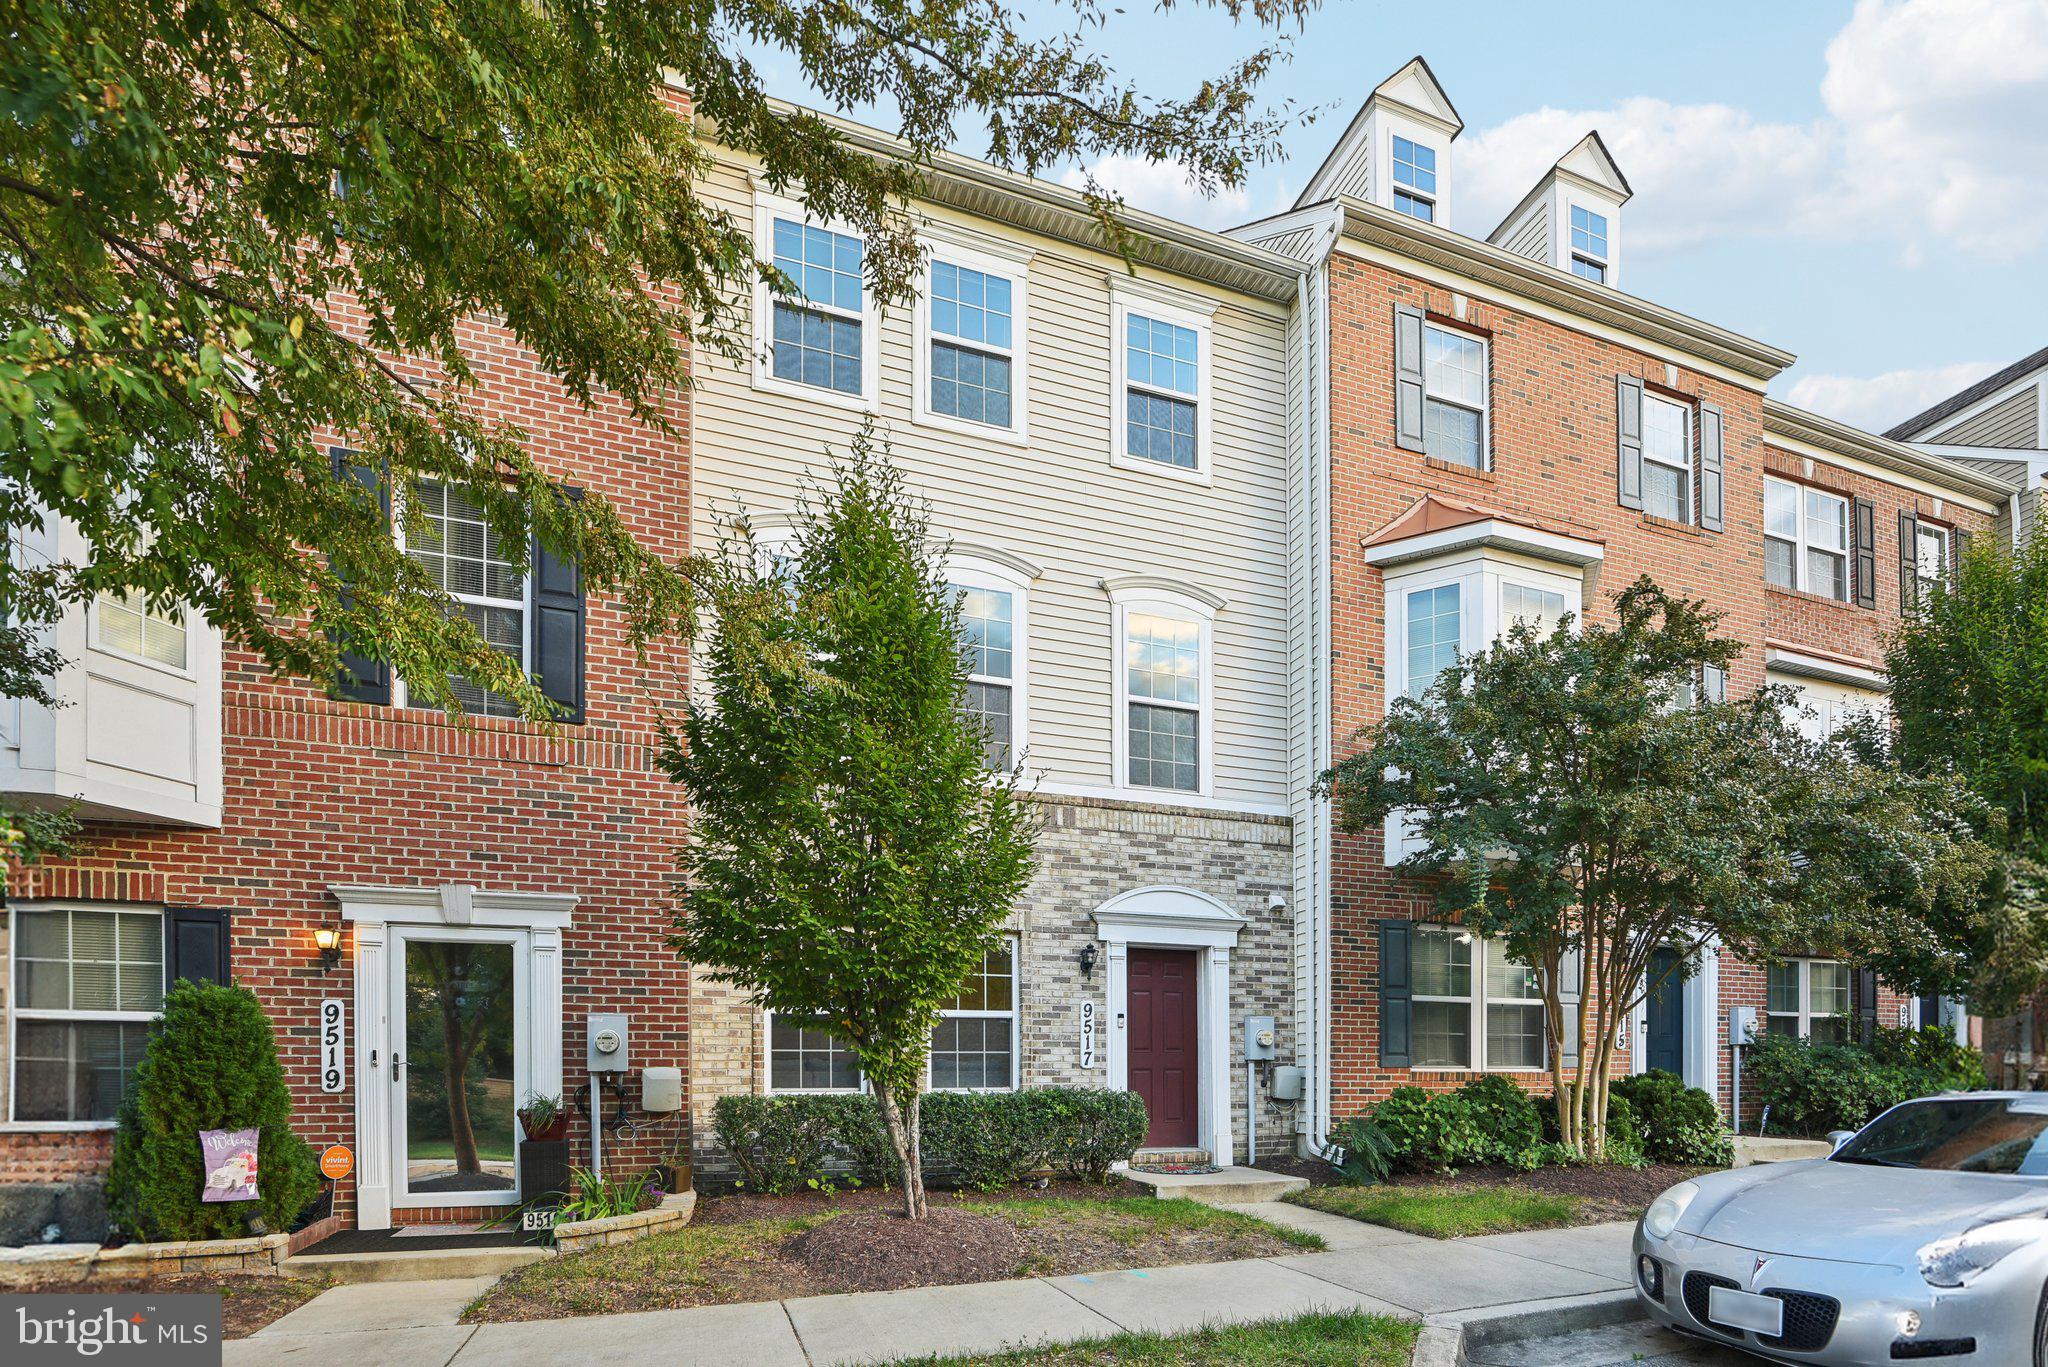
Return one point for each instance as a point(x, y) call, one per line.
point(320, 793)
point(1553, 466)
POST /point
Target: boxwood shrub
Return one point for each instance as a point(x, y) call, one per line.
point(1679, 1124)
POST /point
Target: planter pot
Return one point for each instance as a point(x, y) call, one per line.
point(543, 1170)
point(556, 1129)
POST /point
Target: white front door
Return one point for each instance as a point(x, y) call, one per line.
point(459, 1064)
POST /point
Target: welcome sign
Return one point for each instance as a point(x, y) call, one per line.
point(230, 1160)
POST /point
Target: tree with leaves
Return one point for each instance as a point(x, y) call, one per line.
point(1970, 693)
point(851, 856)
point(1577, 795)
point(234, 233)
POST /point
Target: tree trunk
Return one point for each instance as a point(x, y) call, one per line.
point(455, 1051)
point(902, 1123)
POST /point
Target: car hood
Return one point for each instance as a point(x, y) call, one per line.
point(1853, 1212)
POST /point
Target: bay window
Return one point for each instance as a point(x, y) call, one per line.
point(127, 624)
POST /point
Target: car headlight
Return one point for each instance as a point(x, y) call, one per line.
point(1960, 1258)
point(1664, 1212)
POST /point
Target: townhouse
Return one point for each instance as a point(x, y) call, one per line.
point(1103, 446)
point(1496, 432)
point(360, 856)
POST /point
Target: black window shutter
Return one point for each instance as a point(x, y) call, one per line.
point(1713, 485)
point(195, 944)
point(1865, 538)
point(1628, 427)
point(1397, 990)
point(1568, 970)
point(1866, 1004)
point(363, 678)
point(557, 627)
point(1909, 567)
point(1958, 543)
point(1408, 377)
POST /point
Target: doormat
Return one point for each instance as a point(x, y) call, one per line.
point(1176, 1169)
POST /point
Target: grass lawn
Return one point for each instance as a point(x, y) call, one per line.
point(1352, 1339)
point(717, 1261)
point(1446, 1212)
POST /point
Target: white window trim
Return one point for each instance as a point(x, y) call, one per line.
point(401, 694)
point(1394, 186)
point(1482, 949)
point(1922, 528)
point(1802, 546)
point(977, 572)
point(1605, 261)
point(97, 642)
point(768, 208)
point(989, 259)
point(1014, 1016)
point(1806, 1015)
point(16, 1013)
point(1436, 137)
point(1485, 390)
point(1159, 602)
point(1689, 508)
point(1126, 298)
point(768, 1087)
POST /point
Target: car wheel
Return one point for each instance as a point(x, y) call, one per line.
point(2041, 1331)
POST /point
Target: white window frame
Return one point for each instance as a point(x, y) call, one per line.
point(17, 1013)
point(1477, 1001)
point(768, 208)
point(1156, 602)
point(1602, 261)
point(976, 572)
point(1183, 310)
point(401, 694)
point(1014, 1016)
point(1934, 531)
point(1806, 1015)
point(1689, 510)
point(98, 642)
point(1395, 189)
point(768, 1086)
point(1801, 578)
point(1485, 409)
point(994, 259)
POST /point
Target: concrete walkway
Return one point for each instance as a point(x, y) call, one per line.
point(1367, 1268)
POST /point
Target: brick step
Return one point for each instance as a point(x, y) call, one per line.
point(1186, 1158)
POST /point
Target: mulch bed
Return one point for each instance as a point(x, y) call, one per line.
point(1608, 1193)
point(873, 1250)
point(247, 1303)
point(741, 1206)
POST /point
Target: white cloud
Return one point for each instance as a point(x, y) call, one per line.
point(1878, 401)
point(1936, 135)
point(1162, 187)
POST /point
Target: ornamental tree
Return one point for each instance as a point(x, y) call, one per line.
point(851, 857)
point(232, 234)
point(1578, 796)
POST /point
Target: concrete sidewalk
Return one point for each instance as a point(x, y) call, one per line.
point(1366, 1268)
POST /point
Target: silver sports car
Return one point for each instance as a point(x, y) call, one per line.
point(1923, 1238)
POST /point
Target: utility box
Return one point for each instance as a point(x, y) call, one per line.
point(1288, 1083)
point(661, 1090)
point(1261, 1041)
point(1742, 1025)
point(604, 1040)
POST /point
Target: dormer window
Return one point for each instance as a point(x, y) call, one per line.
point(1589, 245)
point(1415, 179)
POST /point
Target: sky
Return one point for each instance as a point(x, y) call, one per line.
point(1862, 183)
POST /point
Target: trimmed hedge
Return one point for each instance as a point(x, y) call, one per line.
point(1814, 1088)
point(1488, 1120)
point(984, 1140)
point(1679, 1124)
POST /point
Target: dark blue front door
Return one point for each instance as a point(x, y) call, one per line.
point(1665, 1047)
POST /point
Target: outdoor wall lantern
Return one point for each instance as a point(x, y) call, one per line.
point(327, 939)
point(1088, 960)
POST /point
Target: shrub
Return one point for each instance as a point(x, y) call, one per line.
point(1088, 1130)
point(987, 1140)
point(865, 1139)
point(1369, 1152)
point(211, 1064)
point(1623, 1131)
point(1504, 1119)
point(1431, 1131)
point(1679, 1124)
point(780, 1144)
point(1814, 1088)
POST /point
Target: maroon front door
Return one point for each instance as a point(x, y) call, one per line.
point(1162, 1063)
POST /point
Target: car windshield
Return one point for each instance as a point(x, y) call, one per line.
point(1957, 1134)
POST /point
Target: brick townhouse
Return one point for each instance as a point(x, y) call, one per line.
point(514, 879)
point(1497, 432)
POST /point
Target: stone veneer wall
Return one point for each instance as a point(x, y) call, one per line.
point(1089, 850)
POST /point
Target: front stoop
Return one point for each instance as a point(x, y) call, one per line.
point(1750, 1148)
point(430, 1265)
point(1230, 1187)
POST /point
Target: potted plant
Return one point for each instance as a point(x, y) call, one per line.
point(544, 1118)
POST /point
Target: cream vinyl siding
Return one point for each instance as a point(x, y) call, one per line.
point(1531, 238)
point(2012, 422)
point(1059, 503)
